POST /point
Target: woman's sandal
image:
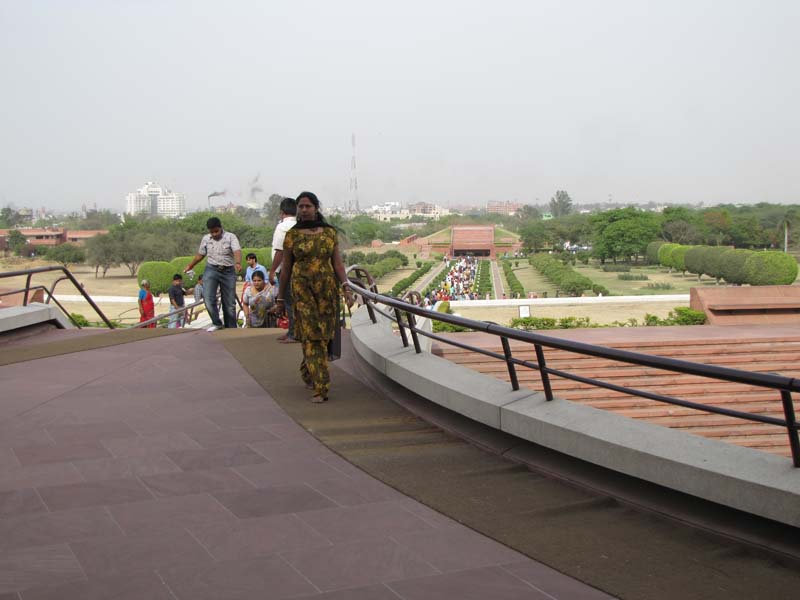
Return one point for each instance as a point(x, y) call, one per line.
point(317, 399)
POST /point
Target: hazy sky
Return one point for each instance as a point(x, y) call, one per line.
point(450, 101)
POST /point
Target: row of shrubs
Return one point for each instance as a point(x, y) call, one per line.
point(735, 266)
point(632, 277)
point(407, 282)
point(483, 278)
point(515, 287)
point(680, 315)
point(357, 257)
point(564, 277)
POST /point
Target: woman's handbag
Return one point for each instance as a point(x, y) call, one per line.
point(335, 345)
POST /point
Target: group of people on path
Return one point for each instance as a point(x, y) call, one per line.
point(304, 284)
point(458, 284)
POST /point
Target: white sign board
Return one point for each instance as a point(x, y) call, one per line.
point(524, 311)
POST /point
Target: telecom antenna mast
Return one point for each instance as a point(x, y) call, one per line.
point(354, 207)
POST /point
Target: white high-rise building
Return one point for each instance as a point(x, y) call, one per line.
point(156, 201)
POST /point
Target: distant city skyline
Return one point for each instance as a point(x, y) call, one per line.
point(451, 102)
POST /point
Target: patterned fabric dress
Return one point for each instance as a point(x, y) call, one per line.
point(315, 291)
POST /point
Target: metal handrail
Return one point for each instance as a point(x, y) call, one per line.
point(31, 272)
point(785, 385)
point(157, 318)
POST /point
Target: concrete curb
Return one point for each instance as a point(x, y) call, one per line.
point(756, 482)
point(16, 317)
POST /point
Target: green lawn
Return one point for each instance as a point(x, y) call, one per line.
point(618, 287)
point(531, 280)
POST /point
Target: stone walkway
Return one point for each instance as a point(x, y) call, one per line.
point(160, 470)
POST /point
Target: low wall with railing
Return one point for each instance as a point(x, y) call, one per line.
point(745, 479)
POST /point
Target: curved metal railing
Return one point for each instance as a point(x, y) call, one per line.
point(405, 314)
point(29, 273)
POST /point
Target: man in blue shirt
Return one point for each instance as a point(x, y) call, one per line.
point(252, 266)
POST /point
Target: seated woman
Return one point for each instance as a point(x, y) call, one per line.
point(258, 299)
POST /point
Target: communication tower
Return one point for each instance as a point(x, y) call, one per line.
point(353, 206)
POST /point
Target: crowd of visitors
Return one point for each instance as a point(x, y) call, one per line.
point(460, 283)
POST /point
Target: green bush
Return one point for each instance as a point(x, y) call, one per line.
point(515, 287)
point(683, 315)
point(664, 254)
point(659, 286)
point(264, 256)
point(439, 327)
point(632, 277)
point(79, 320)
point(732, 265)
point(179, 264)
point(407, 282)
point(562, 275)
point(540, 323)
point(159, 274)
point(598, 290)
point(651, 253)
point(484, 278)
point(770, 268)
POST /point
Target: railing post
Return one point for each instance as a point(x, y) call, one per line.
point(548, 391)
point(27, 289)
point(370, 310)
point(402, 327)
point(512, 370)
point(791, 426)
point(412, 326)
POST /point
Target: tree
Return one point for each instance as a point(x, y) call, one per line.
point(132, 251)
point(10, 218)
point(718, 222)
point(623, 233)
point(680, 232)
point(534, 235)
point(16, 242)
point(528, 211)
point(271, 210)
point(66, 254)
point(101, 253)
point(560, 204)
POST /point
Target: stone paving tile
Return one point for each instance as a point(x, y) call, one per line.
point(148, 424)
point(211, 439)
point(126, 467)
point(92, 432)
point(293, 448)
point(257, 537)
point(196, 482)
point(263, 577)
point(141, 586)
point(246, 419)
point(39, 475)
point(371, 592)
point(93, 493)
point(140, 553)
point(553, 583)
point(10, 596)
point(220, 456)
point(359, 563)
point(142, 445)
point(281, 472)
point(347, 492)
point(8, 460)
point(427, 514)
point(16, 438)
point(287, 431)
point(24, 568)
point(47, 529)
point(346, 524)
point(20, 502)
point(273, 500)
point(457, 548)
point(169, 513)
point(474, 584)
point(37, 455)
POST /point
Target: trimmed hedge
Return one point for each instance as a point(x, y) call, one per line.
point(664, 254)
point(651, 253)
point(770, 268)
point(483, 276)
point(407, 282)
point(732, 265)
point(563, 276)
point(158, 273)
point(179, 264)
point(264, 256)
point(515, 287)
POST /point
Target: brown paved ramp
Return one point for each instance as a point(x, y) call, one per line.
point(159, 469)
point(579, 530)
point(760, 348)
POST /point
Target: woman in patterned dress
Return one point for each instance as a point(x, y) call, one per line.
point(312, 261)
